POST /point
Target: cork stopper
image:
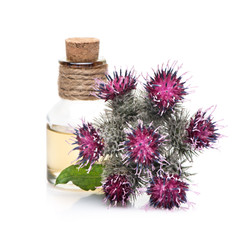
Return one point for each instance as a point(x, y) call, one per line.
point(80, 50)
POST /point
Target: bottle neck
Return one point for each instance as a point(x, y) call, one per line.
point(76, 81)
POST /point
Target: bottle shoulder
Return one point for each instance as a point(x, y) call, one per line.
point(68, 112)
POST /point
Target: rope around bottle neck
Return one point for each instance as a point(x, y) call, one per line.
point(77, 82)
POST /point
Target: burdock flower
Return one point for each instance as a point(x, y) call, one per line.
point(201, 132)
point(167, 192)
point(165, 88)
point(89, 143)
point(117, 189)
point(117, 85)
point(142, 146)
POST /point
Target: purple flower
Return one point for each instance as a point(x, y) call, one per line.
point(201, 132)
point(142, 146)
point(117, 189)
point(89, 143)
point(165, 89)
point(167, 192)
point(115, 86)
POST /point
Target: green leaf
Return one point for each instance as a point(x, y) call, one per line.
point(80, 177)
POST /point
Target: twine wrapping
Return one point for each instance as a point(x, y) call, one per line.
point(77, 82)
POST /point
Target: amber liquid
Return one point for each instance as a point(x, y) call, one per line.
point(59, 154)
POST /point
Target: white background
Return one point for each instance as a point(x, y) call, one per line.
point(203, 35)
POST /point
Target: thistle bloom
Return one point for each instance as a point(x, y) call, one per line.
point(201, 132)
point(117, 189)
point(165, 88)
point(142, 146)
point(117, 85)
point(167, 192)
point(89, 143)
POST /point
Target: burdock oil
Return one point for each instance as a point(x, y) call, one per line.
point(77, 76)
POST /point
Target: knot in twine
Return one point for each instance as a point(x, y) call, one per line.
point(76, 82)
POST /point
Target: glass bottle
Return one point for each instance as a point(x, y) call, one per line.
point(76, 80)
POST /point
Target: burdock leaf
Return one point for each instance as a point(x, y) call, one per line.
point(80, 177)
